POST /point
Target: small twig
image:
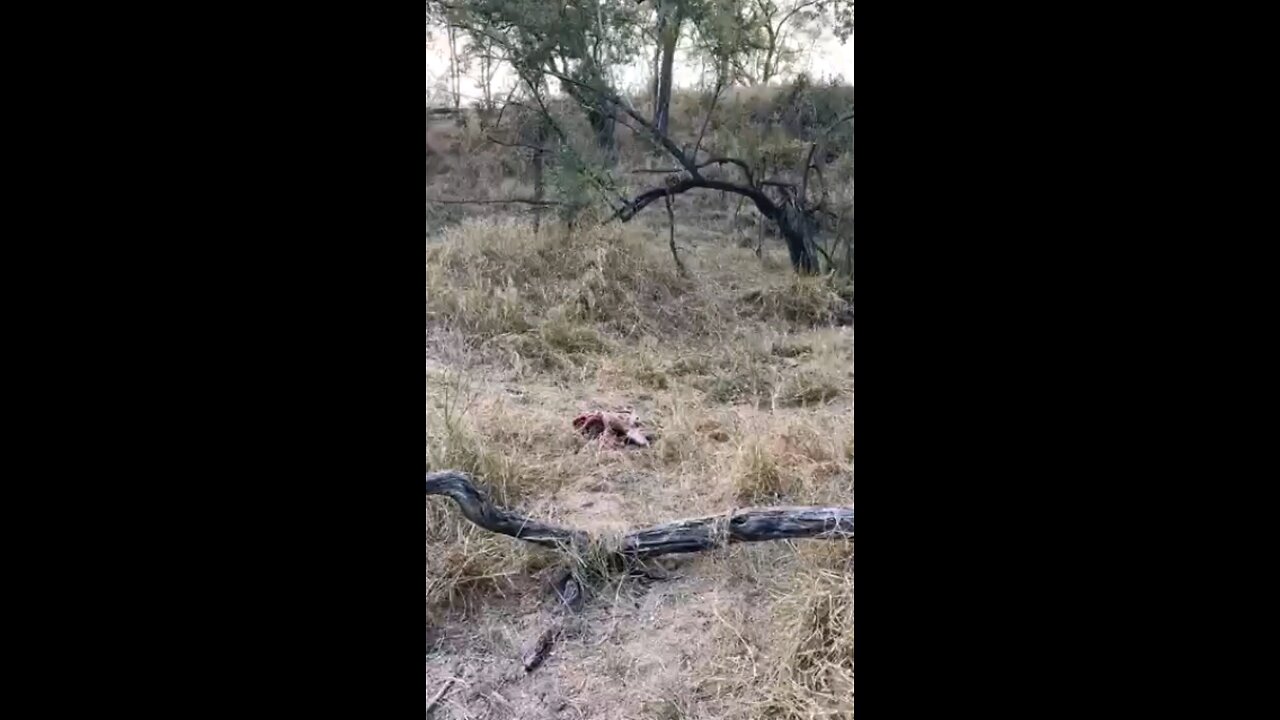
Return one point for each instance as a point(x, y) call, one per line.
point(431, 705)
point(705, 163)
point(671, 220)
point(506, 104)
point(824, 254)
point(534, 148)
point(715, 97)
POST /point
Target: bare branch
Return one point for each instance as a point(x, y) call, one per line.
point(823, 201)
point(715, 98)
point(671, 220)
point(662, 139)
point(706, 163)
point(746, 170)
point(835, 124)
point(818, 247)
point(808, 163)
point(505, 105)
point(534, 148)
point(764, 204)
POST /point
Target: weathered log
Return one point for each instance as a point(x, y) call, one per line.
point(680, 536)
point(477, 508)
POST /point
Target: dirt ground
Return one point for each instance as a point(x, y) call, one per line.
point(745, 378)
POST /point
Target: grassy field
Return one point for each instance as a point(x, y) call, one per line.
point(744, 373)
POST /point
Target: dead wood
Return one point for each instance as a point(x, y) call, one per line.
point(680, 536)
point(671, 220)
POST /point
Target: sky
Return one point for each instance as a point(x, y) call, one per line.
point(828, 59)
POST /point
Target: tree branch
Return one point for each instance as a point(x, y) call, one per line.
point(764, 204)
point(535, 148)
point(715, 98)
point(617, 101)
point(808, 163)
point(746, 170)
point(706, 163)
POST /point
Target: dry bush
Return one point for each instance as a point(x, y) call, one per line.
point(810, 386)
point(799, 459)
point(804, 301)
point(758, 479)
point(490, 277)
point(565, 335)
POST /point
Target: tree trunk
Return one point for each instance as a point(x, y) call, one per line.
point(602, 119)
point(798, 229)
point(455, 71)
point(486, 77)
point(669, 20)
point(656, 67)
point(602, 123)
point(767, 72)
point(539, 140)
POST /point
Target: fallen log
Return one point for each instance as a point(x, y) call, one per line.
point(680, 536)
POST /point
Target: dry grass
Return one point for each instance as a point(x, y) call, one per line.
point(748, 387)
point(815, 676)
point(807, 301)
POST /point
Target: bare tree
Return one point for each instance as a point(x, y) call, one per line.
point(775, 20)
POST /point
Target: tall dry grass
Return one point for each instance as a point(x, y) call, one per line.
point(745, 379)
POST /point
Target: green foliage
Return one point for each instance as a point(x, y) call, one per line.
point(570, 183)
point(842, 16)
point(564, 54)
